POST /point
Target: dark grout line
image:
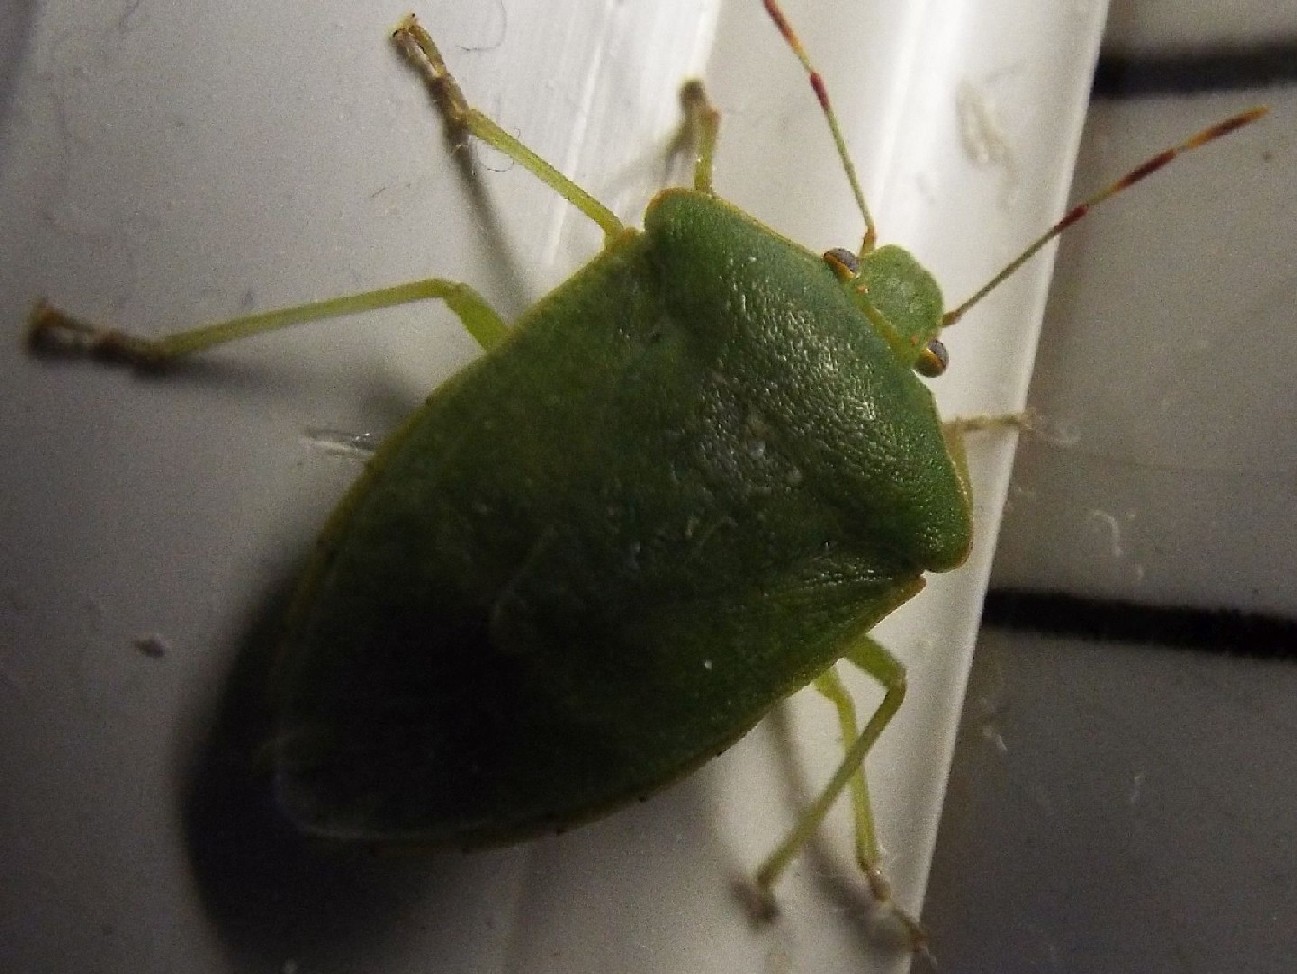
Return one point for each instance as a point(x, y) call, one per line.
point(1227, 631)
point(1196, 71)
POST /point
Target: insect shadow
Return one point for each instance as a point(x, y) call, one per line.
point(273, 895)
point(269, 894)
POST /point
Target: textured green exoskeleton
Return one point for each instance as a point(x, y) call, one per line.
point(681, 487)
point(691, 477)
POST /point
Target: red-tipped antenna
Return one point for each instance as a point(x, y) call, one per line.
point(1209, 134)
point(822, 95)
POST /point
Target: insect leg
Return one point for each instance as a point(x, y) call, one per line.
point(868, 854)
point(462, 119)
point(51, 331)
point(701, 124)
point(987, 421)
point(875, 660)
point(830, 685)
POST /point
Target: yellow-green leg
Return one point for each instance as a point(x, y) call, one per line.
point(461, 118)
point(989, 421)
point(875, 660)
point(51, 330)
point(701, 126)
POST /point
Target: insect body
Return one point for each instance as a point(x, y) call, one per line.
point(682, 486)
point(557, 589)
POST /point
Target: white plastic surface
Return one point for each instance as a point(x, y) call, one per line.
point(165, 163)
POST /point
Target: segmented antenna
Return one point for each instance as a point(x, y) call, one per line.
point(822, 95)
point(1209, 134)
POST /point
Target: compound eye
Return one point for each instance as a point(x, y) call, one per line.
point(844, 263)
point(932, 360)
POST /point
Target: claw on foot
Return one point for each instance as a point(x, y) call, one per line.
point(52, 333)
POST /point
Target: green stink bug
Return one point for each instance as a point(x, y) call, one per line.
point(572, 525)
